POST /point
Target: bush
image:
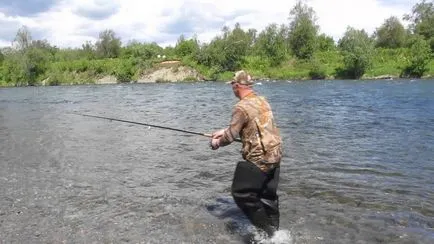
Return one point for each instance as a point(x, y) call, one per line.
point(124, 71)
point(317, 71)
point(357, 49)
point(419, 57)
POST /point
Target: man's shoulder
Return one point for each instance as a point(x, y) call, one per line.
point(254, 99)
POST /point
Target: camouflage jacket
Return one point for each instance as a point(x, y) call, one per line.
point(253, 121)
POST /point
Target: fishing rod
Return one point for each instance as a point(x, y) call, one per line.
point(150, 125)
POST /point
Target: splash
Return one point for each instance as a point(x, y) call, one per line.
point(279, 237)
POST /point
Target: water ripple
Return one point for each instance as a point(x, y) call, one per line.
point(357, 164)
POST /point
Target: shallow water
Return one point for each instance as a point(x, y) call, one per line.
point(357, 167)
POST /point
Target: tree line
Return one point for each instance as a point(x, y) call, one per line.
point(296, 49)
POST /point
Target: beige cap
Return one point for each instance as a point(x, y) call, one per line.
point(242, 77)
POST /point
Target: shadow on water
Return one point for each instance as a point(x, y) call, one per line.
point(236, 223)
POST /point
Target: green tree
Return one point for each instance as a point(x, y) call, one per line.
point(13, 69)
point(302, 30)
point(108, 45)
point(271, 44)
point(226, 52)
point(391, 34)
point(212, 55)
point(141, 51)
point(2, 57)
point(36, 63)
point(418, 58)
point(422, 19)
point(236, 46)
point(23, 39)
point(88, 50)
point(252, 36)
point(45, 45)
point(325, 43)
point(27, 64)
point(169, 51)
point(69, 54)
point(357, 49)
point(187, 48)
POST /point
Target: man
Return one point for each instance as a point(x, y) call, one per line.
point(254, 186)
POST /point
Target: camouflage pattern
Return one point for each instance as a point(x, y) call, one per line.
point(243, 78)
point(253, 121)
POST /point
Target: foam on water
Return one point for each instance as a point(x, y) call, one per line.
point(279, 237)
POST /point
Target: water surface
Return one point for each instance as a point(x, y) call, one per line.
point(357, 167)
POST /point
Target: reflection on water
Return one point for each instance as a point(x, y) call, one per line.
point(357, 164)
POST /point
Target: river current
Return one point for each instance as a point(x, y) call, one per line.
point(358, 163)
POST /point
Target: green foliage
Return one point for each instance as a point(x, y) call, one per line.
point(226, 52)
point(329, 61)
point(293, 51)
point(386, 61)
point(224, 76)
point(303, 31)
point(186, 48)
point(391, 34)
point(13, 70)
point(108, 45)
point(419, 57)
point(88, 51)
point(212, 55)
point(26, 67)
point(317, 70)
point(271, 44)
point(23, 39)
point(431, 43)
point(35, 64)
point(285, 73)
point(68, 54)
point(141, 51)
point(257, 63)
point(325, 43)
point(189, 78)
point(169, 52)
point(422, 19)
point(56, 79)
point(125, 70)
point(236, 44)
point(357, 49)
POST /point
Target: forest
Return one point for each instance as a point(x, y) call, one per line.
point(293, 50)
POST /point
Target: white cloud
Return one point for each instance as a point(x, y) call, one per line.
point(69, 23)
point(335, 15)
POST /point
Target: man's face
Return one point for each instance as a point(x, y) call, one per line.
point(235, 87)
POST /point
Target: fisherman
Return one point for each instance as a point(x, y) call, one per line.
point(255, 181)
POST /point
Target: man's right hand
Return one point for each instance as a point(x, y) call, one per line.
point(218, 134)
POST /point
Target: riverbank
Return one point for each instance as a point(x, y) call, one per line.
point(115, 71)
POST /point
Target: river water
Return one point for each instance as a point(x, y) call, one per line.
point(358, 163)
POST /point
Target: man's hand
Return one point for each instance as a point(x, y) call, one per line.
point(218, 134)
point(214, 143)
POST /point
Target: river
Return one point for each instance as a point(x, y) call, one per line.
point(358, 163)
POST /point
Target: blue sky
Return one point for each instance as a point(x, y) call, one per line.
point(70, 23)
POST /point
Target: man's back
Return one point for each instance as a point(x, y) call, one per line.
point(261, 138)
